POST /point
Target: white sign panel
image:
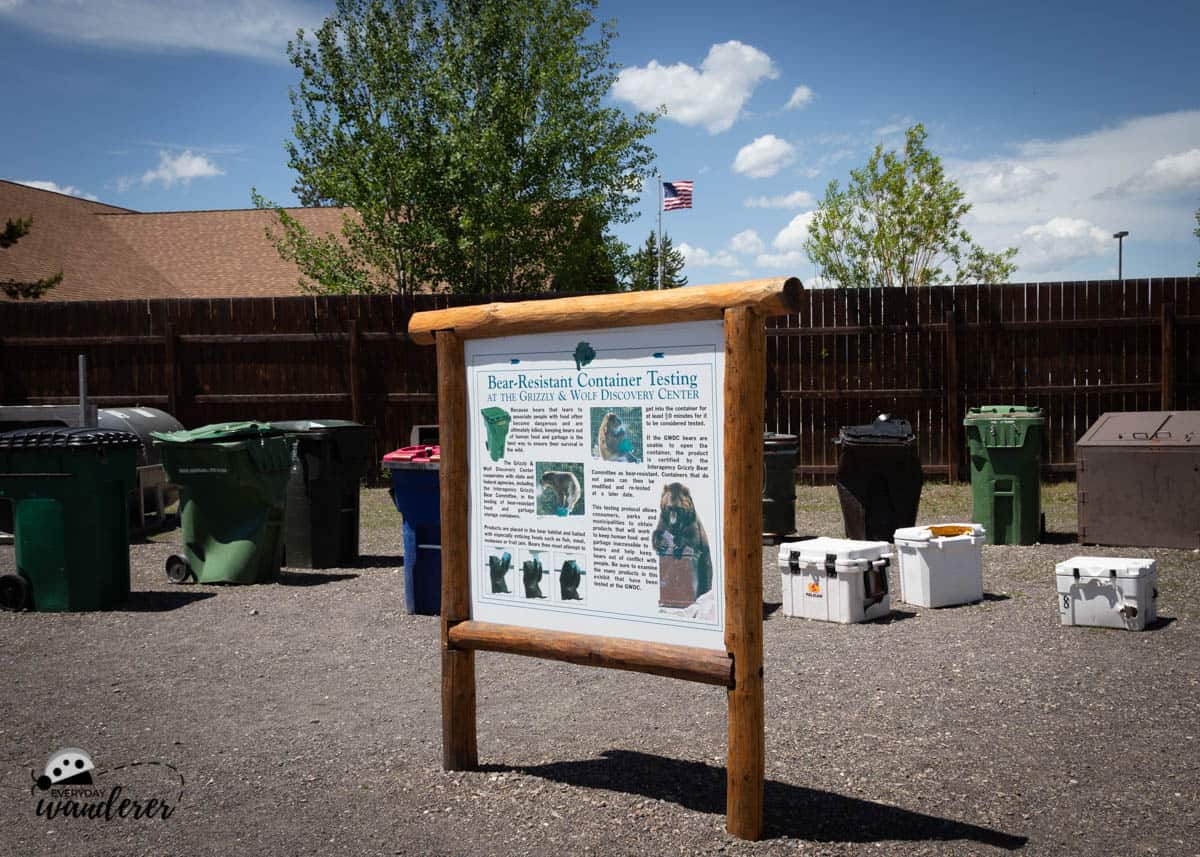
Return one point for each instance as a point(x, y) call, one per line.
point(596, 481)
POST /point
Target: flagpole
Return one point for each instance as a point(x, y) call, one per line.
point(658, 179)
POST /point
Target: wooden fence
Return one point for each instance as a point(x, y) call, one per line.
point(1075, 349)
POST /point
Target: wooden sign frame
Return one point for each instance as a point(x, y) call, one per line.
point(743, 306)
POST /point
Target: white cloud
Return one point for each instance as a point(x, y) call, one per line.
point(793, 236)
point(253, 28)
point(180, 168)
point(746, 241)
point(802, 96)
point(789, 261)
point(1004, 182)
point(1061, 240)
point(795, 199)
point(896, 126)
point(1075, 179)
point(1168, 174)
point(764, 157)
point(55, 187)
point(701, 258)
point(711, 97)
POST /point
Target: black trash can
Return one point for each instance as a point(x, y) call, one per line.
point(329, 459)
point(779, 486)
point(878, 478)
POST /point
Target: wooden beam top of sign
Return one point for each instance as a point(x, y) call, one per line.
point(776, 296)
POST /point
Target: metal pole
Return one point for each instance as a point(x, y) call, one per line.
point(83, 391)
point(658, 179)
point(1120, 236)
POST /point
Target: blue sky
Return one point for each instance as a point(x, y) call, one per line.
point(1063, 122)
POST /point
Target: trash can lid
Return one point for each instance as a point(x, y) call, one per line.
point(1012, 412)
point(413, 457)
point(771, 438)
point(886, 428)
point(49, 437)
point(218, 432)
point(1107, 566)
point(930, 532)
point(316, 426)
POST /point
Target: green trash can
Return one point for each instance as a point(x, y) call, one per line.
point(67, 487)
point(497, 421)
point(232, 480)
point(329, 459)
point(1005, 447)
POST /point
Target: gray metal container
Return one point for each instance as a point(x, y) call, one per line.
point(140, 421)
point(1138, 480)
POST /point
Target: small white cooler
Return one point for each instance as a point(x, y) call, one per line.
point(941, 565)
point(835, 580)
point(1107, 592)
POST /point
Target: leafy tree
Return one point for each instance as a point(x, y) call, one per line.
point(644, 265)
point(14, 231)
point(469, 138)
point(899, 223)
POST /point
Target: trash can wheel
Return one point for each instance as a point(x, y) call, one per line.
point(14, 593)
point(178, 570)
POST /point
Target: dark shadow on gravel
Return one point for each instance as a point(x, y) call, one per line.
point(158, 601)
point(1160, 623)
point(996, 596)
point(311, 578)
point(379, 561)
point(1059, 538)
point(770, 607)
point(894, 616)
point(788, 810)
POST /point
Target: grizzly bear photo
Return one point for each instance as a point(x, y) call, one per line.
point(679, 532)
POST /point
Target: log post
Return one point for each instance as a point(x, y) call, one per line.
point(459, 748)
point(354, 373)
point(745, 379)
point(953, 433)
point(1167, 361)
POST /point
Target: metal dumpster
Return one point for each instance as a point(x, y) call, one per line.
point(152, 489)
point(1138, 480)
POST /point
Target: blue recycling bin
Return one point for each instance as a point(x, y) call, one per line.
point(416, 492)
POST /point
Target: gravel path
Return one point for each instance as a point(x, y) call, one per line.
point(304, 719)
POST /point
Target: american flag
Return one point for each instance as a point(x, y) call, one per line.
point(677, 195)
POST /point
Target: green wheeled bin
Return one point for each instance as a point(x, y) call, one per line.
point(329, 460)
point(1005, 447)
point(232, 480)
point(497, 421)
point(67, 487)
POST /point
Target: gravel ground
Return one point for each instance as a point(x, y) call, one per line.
point(304, 719)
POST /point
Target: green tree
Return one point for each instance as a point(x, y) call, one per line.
point(899, 223)
point(643, 273)
point(1196, 232)
point(469, 138)
point(14, 231)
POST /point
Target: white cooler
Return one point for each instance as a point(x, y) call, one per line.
point(940, 565)
point(835, 580)
point(1107, 592)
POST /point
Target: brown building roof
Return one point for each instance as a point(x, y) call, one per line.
point(108, 253)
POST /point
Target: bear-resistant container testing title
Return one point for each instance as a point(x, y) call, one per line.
point(648, 386)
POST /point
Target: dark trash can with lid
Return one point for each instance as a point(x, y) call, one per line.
point(1004, 443)
point(416, 491)
point(779, 486)
point(329, 460)
point(879, 478)
point(232, 479)
point(67, 487)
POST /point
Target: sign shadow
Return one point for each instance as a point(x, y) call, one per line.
point(788, 810)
